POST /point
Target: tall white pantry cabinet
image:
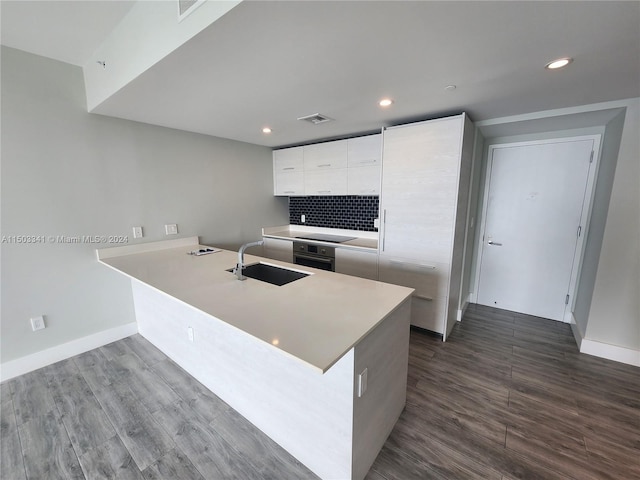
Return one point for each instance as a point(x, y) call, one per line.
point(426, 175)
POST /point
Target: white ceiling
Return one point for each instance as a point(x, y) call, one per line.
point(267, 63)
point(69, 31)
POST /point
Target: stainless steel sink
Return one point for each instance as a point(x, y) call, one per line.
point(271, 274)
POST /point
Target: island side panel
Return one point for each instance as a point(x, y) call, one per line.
point(385, 355)
point(309, 414)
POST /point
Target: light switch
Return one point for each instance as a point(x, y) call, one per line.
point(362, 382)
point(171, 229)
point(137, 232)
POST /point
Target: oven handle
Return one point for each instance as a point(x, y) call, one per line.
point(319, 259)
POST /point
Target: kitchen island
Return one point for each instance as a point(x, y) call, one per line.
point(319, 364)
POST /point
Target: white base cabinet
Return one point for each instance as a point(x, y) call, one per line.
point(426, 176)
point(358, 263)
point(277, 249)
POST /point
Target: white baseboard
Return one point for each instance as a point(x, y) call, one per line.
point(604, 350)
point(37, 360)
point(610, 352)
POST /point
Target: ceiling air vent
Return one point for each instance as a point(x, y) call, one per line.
point(185, 7)
point(316, 118)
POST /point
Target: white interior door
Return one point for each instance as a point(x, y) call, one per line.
point(532, 223)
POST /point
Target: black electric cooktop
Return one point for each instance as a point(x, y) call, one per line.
point(322, 237)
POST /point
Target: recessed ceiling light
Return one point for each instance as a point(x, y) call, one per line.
point(385, 102)
point(559, 63)
point(266, 130)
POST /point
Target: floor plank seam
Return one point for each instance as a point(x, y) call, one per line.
point(15, 417)
point(64, 426)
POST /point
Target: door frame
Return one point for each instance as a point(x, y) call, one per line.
point(585, 215)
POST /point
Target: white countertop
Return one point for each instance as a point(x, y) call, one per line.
point(362, 240)
point(316, 319)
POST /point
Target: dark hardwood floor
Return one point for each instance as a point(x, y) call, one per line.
point(507, 397)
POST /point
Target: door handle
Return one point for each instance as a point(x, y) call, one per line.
point(491, 242)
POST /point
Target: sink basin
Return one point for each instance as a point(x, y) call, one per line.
point(271, 274)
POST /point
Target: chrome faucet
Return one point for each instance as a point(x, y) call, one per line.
point(240, 265)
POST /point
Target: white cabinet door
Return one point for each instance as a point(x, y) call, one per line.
point(429, 313)
point(288, 174)
point(419, 189)
point(326, 182)
point(288, 160)
point(325, 156)
point(364, 151)
point(431, 284)
point(430, 280)
point(364, 180)
point(358, 263)
point(289, 184)
point(278, 249)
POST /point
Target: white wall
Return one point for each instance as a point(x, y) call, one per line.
point(609, 151)
point(67, 172)
point(614, 317)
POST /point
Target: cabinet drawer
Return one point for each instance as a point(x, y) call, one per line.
point(429, 314)
point(325, 156)
point(429, 280)
point(357, 263)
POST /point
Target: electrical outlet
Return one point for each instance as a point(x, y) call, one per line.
point(303, 218)
point(171, 229)
point(137, 232)
point(37, 323)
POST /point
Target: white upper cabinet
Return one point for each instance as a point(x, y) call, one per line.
point(288, 160)
point(326, 182)
point(288, 172)
point(325, 156)
point(289, 184)
point(364, 180)
point(342, 167)
point(365, 165)
point(325, 167)
point(364, 151)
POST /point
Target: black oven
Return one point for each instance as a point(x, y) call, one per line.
point(315, 256)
